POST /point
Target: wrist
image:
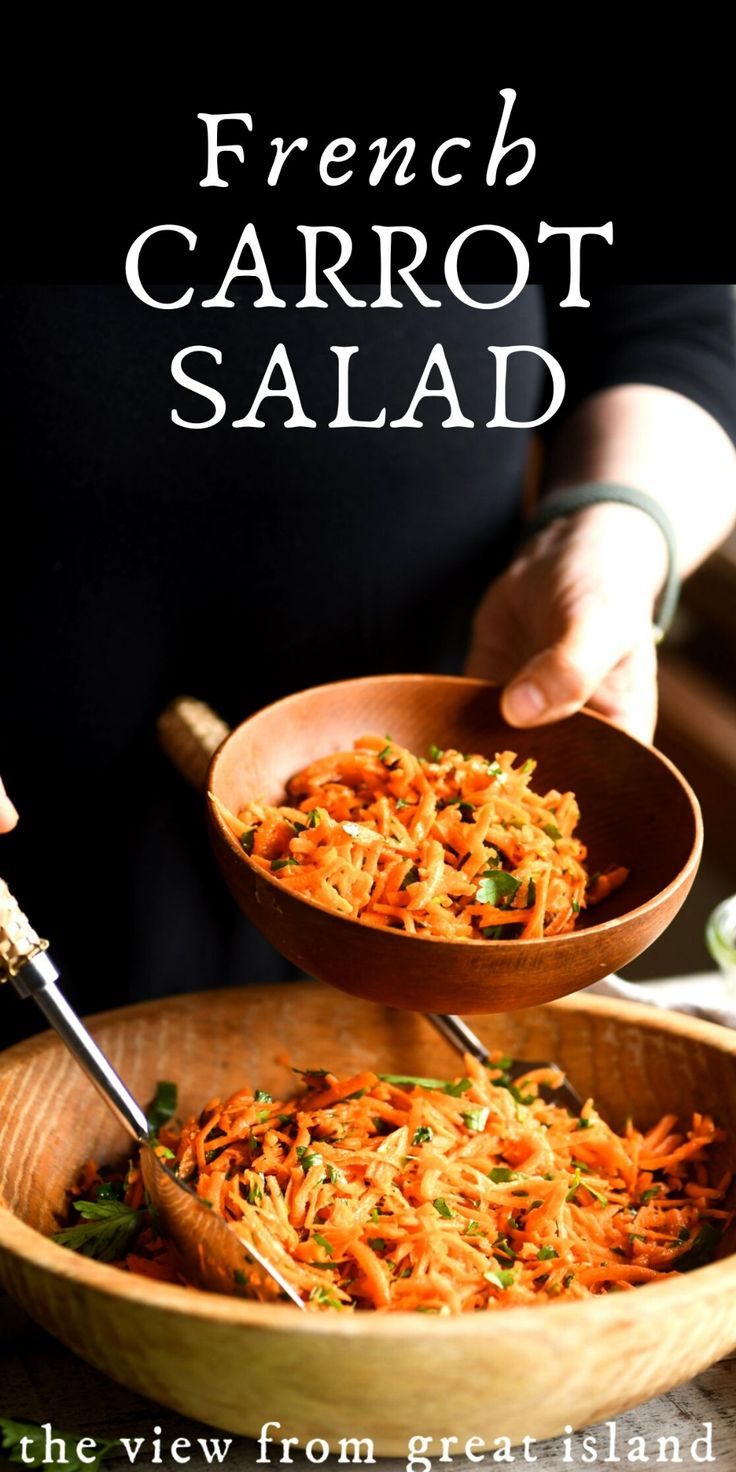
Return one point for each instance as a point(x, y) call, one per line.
point(629, 533)
point(626, 524)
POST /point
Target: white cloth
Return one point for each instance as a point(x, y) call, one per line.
point(705, 994)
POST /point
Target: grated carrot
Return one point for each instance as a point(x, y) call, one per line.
point(452, 846)
point(387, 1193)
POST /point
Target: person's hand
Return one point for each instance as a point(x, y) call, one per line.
point(570, 621)
point(8, 812)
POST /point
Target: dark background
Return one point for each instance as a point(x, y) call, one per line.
point(99, 147)
point(102, 141)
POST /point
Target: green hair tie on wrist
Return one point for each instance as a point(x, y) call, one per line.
point(577, 498)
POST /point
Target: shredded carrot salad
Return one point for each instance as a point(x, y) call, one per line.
point(448, 845)
point(394, 1193)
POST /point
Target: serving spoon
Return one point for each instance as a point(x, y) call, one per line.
point(190, 733)
point(211, 1252)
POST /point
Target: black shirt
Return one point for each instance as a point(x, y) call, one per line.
point(142, 560)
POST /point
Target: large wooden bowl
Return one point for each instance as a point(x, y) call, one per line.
point(636, 811)
point(515, 1372)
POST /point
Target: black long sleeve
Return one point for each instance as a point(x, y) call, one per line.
point(679, 337)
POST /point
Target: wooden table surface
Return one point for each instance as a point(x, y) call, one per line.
point(41, 1381)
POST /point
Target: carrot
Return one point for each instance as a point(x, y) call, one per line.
point(391, 1193)
point(448, 845)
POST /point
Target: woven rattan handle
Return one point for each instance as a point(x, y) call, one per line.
point(190, 732)
point(18, 940)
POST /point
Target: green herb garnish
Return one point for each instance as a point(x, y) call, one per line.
point(308, 1157)
point(411, 877)
point(328, 1247)
point(262, 1096)
point(495, 885)
point(435, 753)
point(323, 1295)
point(475, 1119)
point(163, 1106)
point(422, 1135)
point(115, 1190)
point(440, 1206)
point(246, 840)
point(32, 1454)
point(546, 1253)
point(647, 1195)
point(282, 863)
point(106, 1232)
point(551, 831)
point(502, 1173)
point(502, 1278)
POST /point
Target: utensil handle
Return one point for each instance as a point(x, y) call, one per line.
point(190, 732)
point(457, 1032)
point(25, 963)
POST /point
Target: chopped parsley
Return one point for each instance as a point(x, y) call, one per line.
point(475, 1119)
point(441, 1207)
point(163, 1106)
point(501, 1278)
point(648, 1195)
point(32, 1453)
point(422, 1135)
point(328, 1247)
point(496, 885)
point(308, 1157)
point(106, 1232)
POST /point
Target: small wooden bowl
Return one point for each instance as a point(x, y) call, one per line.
point(515, 1372)
point(636, 811)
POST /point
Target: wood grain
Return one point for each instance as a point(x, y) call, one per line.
point(41, 1381)
point(525, 1371)
point(636, 810)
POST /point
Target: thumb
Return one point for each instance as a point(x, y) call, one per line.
point(561, 678)
point(8, 811)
